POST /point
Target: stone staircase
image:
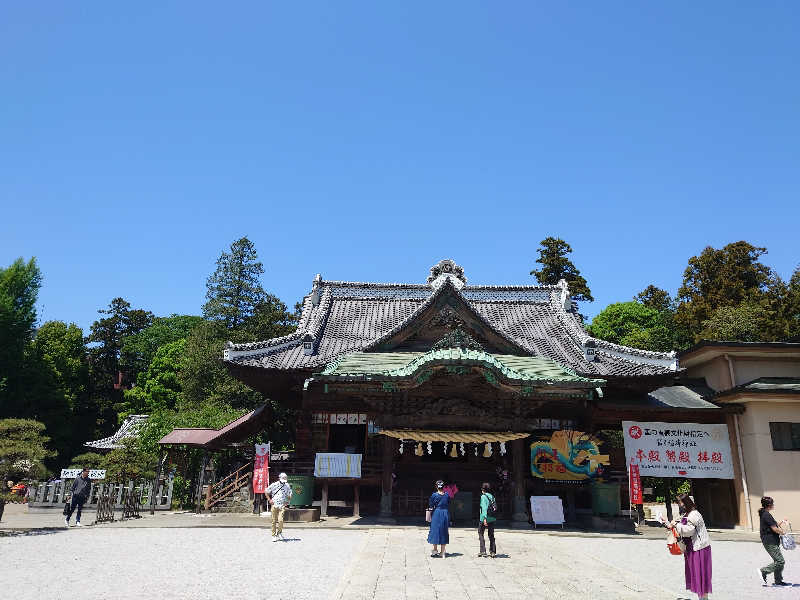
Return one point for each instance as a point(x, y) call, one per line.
point(241, 501)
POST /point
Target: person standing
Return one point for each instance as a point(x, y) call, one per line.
point(439, 534)
point(697, 558)
point(278, 494)
point(80, 494)
point(770, 532)
point(486, 521)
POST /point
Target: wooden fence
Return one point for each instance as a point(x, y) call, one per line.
point(54, 494)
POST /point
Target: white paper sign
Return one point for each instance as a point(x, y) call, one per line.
point(73, 473)
point(547, 510)
point(690, 450)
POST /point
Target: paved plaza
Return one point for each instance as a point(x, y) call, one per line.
point(186, 556)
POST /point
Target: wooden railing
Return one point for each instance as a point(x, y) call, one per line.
point(228, 485)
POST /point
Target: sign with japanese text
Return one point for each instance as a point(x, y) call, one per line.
point(261, 469)
point(635, 484)
point(547, 510)
point(73, 473)
point(688, 450)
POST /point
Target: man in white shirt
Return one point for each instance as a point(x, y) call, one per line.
point(279, 493)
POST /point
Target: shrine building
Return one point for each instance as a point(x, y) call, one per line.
point(397, 385)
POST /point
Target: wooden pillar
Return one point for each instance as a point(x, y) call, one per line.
point(357, 500)
point(519, 504)
point(200, 477)
point(154, 492)
point(387, 460)
point(323, 509)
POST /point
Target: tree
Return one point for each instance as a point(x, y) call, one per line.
point(106, 336)
point(791, 306)
point(724, 277)
point(23, 448)
point(19, 290)
point(234, 290)
point(632, 324)
point(159, 387)
point(138, 349)
point(556, 266)
point(655, 298)
point(745, 322)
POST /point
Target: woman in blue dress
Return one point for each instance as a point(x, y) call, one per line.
point(439, 535)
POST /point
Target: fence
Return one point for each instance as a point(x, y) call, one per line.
point(53, 494)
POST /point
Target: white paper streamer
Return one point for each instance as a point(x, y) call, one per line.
point(461, 447)
point(430, 448)
point(503, 448)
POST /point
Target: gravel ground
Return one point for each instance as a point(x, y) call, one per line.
point(734, 563)
point(121, 564)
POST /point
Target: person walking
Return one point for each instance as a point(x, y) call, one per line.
point(697, 558)
point(486, 521)
point(80, 494)
point(439, 533)
point(278, 494)
point(770, 532)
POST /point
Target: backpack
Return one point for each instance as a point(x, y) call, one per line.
point(491, 510)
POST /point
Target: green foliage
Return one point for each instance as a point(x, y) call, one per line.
point(556, 266)
point(61, 347)
point(93, 460)
point(791, 306)
point(633, 324)
point(106, 338)
point(725, 277)
point(234, 290)
point(655, 298)
point(131, 461)
point(23, 449)
point(139, 349)
point(745, 322)
point(159, 387)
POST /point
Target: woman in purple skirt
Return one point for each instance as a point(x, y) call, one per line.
point(697, 558)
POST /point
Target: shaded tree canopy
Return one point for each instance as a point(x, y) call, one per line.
point(234, 289)
point(556, 266)
point(23, 448)
point(158, 387)
point(724, 277)
point(139, 349)
point(655, 298)
point(632, 324)
point(745, 322)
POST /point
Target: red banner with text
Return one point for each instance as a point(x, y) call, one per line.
point(635, 485)
point(261, 469)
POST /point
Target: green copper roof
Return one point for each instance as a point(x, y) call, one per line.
point(380, 365)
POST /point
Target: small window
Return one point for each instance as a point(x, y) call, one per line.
point(785, 436)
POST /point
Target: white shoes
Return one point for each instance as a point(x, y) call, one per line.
point(78, 524)
point(66, 522)
point(275, 538)
point(280, 536)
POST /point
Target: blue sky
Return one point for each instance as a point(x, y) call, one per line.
point(366, 141)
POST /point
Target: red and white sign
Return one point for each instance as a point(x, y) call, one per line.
point(635, 484)
point(690, 450)
point(261, 469)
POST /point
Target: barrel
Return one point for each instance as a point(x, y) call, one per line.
point(302, 490)
point(605, 499)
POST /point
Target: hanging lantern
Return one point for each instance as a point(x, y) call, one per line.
point(461, 447)
point(453, 451)
point(502, 448)
point(487, 450)
point(430, 448)
point(418, 450)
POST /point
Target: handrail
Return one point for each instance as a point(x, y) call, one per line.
point(228, 485)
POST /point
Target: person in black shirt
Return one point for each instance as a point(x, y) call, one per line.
point(770, 537)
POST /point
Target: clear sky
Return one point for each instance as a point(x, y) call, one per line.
point(366, 141)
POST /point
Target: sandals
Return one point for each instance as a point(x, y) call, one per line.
point(435, 555)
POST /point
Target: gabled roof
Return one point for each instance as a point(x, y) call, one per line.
point(235, 431)
point(342, 317)
point(129, 429)
point(765, 385)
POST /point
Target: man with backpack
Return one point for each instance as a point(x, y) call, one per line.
point(487, 518)
point(279, 493)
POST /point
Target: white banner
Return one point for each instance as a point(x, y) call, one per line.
point(73, 473)
point(690, 450)
point(547, 510)
point(337, 464)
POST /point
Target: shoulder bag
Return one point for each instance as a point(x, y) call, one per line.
point(787, 540)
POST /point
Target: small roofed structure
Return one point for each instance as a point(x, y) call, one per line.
point(129, 429)
point(217, 439)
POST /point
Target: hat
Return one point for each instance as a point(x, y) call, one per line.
point(283, 477)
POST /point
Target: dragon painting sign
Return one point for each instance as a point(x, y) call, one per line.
point(568, 456)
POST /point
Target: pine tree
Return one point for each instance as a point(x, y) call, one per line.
point(556, 266)
point(233, 291)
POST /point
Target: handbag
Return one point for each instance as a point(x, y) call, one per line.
point(428, 515)
point(787, 540)
point(66, 509)
point(675, 544)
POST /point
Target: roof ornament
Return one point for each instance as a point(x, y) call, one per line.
point(444, 270)
point(566, 300)
point(316, 290)
point(308, 344)
point(458, 338)
point(589, 350)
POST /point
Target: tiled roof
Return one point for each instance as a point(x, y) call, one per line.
point(342, 317)
point(129, 428)
point(767, 385)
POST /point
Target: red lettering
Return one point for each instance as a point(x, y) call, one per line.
point(683, 457)
point(671, 456)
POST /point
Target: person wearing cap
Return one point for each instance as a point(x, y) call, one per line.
point(278, 494)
